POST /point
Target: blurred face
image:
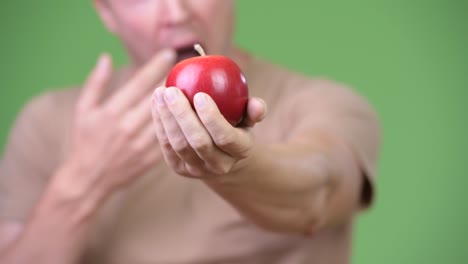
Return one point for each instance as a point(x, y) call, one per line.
point(146, 26)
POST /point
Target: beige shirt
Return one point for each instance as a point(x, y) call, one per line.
point(166, 218)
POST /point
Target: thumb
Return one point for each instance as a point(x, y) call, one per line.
point(256, 112)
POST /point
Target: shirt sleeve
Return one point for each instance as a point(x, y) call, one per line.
point(29, 159)
point(338, 110)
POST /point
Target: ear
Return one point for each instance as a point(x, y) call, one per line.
point(105, 13)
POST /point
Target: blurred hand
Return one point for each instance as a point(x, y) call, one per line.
point(113, 141)
point(201, 143)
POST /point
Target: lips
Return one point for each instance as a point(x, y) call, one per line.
point(186, 52)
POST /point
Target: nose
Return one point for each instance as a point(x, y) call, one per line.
point(177, 12)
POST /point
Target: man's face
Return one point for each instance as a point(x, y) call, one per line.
point(146, 26)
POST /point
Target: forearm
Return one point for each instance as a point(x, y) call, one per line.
point(295, 187)
point(57, 229)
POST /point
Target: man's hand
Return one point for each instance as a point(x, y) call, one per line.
point(113, 141)
point(201, 143)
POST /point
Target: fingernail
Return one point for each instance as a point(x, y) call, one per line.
point(159, 97)
point(200, 100)
point(171, 95)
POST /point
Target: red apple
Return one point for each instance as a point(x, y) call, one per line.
point(219, 77)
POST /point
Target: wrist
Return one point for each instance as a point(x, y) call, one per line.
point(242, 171)
point(73, 189)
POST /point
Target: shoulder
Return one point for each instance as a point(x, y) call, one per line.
point(34, 148)
point(322, 93)
point(52, 100)
point(302, 94)
point(43, 120)
point(49, 106)
point(270, 77)
point(40, 127)
point(264, 70)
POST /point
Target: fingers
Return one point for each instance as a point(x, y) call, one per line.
point(194, 132)
point(200, 145)
point(138, 117)
point(142, 84)
point(256, 112)
point(96, 83)
point(171, 158)
point(234, 141)
point(146, 141)
point(176, 137)
point(145, 148)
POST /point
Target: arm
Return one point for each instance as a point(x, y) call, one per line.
point(299, 186)
point(57, 229)
point(112, 144)
point(316, 178)
point(310, 181)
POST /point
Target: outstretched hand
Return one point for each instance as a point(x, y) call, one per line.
point(201, 143)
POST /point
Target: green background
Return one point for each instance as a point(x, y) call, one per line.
point(409, 58)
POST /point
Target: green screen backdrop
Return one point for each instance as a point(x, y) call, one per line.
point(408, 57)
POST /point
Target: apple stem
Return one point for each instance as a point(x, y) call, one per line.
point(199, 49)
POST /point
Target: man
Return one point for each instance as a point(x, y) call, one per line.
point(85, 178)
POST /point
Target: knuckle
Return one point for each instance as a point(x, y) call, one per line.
point(180, 144)
point(243, 154)
point(224, 169)
point(225, 140)
point(165, 144)
point(172, 163)
point(208, 116)
point(180, 113)
point(201, 144)
point(245, 150)
point(219, 169)
point(180, 169)
point(194, 171)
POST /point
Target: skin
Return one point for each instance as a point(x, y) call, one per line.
point(304, 192)
point(147, 26)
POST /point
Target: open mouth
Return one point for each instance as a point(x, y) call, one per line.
point(186, 52)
